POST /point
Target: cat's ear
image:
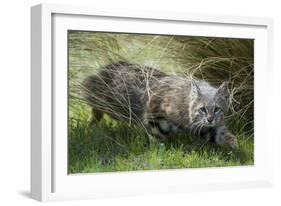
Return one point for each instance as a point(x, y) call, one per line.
point(223, 91)
point(195, 90)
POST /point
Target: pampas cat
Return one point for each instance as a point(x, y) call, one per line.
point(163, 104)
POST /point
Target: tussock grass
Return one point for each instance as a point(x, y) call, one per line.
point(222, 59)
point(117, 146)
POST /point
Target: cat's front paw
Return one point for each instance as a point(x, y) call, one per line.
point(231, 140)
point(224, 137)
point(220, 135)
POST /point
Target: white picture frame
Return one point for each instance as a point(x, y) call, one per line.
point(49, 178)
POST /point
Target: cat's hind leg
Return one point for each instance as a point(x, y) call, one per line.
point(96, 116)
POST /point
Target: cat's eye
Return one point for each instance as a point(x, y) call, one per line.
point(217, 109)
point(203, 109)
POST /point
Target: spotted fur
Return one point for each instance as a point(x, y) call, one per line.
point(163, 104)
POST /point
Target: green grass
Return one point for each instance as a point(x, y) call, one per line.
point(117, 146)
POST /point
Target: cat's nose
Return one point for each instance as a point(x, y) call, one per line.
point(210, 119)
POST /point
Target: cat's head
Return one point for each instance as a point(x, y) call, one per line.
point(208, 104)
